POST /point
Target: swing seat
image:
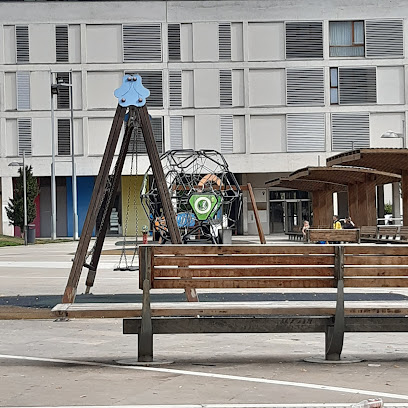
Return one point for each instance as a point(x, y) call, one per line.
point(127, 268)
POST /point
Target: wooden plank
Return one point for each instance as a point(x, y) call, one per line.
point(244, 260)
point(376, 260)
point(382, 250)
point(25, 313)
point(256, 213)
point(241, 271)
point(245, 283)
point(377, 271)
point(351, 235)
point(376, 282)
point(242, 249)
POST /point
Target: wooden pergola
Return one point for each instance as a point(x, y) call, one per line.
point(360, 184)
point(387, 160)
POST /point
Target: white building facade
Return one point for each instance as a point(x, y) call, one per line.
point(273, 85)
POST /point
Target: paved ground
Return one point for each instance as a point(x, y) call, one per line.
point(48, 363)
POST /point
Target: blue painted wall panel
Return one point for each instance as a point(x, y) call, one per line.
point(85, 187)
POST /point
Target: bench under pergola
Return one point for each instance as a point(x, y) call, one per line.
point(387, 160)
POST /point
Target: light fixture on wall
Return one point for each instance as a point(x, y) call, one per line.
point(390, 134)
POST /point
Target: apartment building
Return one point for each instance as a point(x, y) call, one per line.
point(271, 84)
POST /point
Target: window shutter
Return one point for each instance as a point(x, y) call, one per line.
point(23, 90)
point(173, 32)
point(63, 91)
point(305, 87)
point(227, 134)
point(64, 137)
point(142, 42)
point(153, 81)
point(304, 40)
point(22, 45)
point(157, 128)
point(350, 131)
point(306, 132)
point(176, 132)
point(357, 86)
point(384, 39)
point(225, 87)
point(175, 88)
point(24, 136)
point(224, 41)
point(61, 41)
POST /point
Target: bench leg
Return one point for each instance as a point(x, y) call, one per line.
point(334, 343)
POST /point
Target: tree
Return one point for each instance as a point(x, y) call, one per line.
point(15, 207)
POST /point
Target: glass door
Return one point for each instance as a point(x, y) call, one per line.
point(276, 217)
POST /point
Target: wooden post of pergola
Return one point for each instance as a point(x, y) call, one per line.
point(404, 188)
point(322, 203)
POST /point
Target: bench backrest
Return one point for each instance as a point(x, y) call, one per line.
point(236, 266)
point(376, 266)
point(345, 235)
point(403, 233)
point(368, 231)
point(387, 232)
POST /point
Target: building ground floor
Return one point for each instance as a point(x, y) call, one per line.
point(279, 210)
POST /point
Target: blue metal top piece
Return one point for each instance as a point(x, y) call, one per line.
point(132, 92)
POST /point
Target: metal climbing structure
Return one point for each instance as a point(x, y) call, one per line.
point(132, 110)
point(205, 195)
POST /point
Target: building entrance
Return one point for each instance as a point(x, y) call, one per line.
point(287, 210)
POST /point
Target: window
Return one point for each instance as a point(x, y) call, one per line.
point(173, 31)
point(176, 132)
point(227, 134)
point(304, 87)
point(334, 86)
point(142, 42)
point(225, 87)
point(346, 38)
point(63, 91)
point(175, 89)
point(304, 40)
point(357, 86)
point(24, 136)
point(305, 132)
point(61, 42)
point(23, 90)
point(350, 131)
point(22, 45)
point(64, 137)
point(224, 41)
point(153, 81)
point(385, 39)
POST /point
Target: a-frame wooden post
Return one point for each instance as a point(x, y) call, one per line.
point(131, 94)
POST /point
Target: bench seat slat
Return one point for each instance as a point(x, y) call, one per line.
point(376, 282)
point(350, 271)
point(243, 283)
point(248, 271)
point(274, 308)
point(377, 260)
point(384, 250)
point(244, 260)
point(241, 249)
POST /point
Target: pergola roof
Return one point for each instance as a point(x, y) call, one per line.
point(344, 175)
point(389, 160)
point(306, 185)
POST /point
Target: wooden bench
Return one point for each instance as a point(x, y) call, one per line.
point(261, 266)
point(332, 235)
point(402, 235)
point(387, 232)
point(368, 233)
point(296, 234)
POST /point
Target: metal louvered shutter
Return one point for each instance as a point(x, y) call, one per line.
point(304, 40)
point(24, 136)
point(173, 32)
point(384, 39)
point(157, 128)
point(305, 87)
point(64, 137)
point(305, 132)
point(227, 133)
point(153, 81)
point(22, 45)
point(176, 132)
point(63, 91)
point(142, 42)
point(225, 87)
point(23, 90)
point(175, 88)
point(350, 131)
point(224, 41)
point(61, 42)
point(357, 86)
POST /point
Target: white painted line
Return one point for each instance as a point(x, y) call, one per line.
point(319, 387)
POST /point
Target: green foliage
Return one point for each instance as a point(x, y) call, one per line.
point(15, 206)
point(388, 208)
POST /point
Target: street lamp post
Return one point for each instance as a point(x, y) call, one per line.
point(54, 91)
point(24, 195)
